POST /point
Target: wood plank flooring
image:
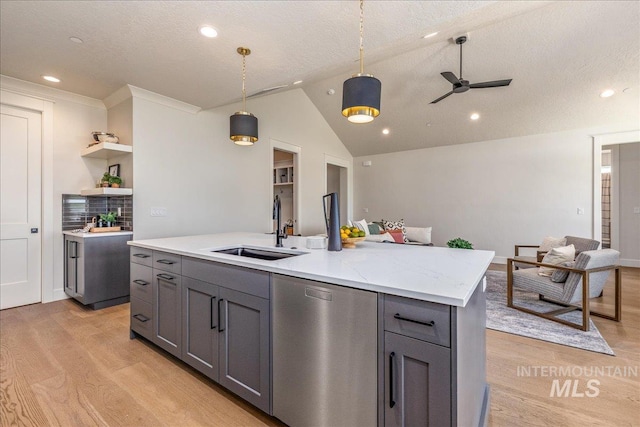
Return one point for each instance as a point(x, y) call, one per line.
point(64, 365)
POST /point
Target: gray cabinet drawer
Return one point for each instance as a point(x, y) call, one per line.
point(167, 262)
point(141, 256)
point(252, 282)
point(422, 320)
point(141, 280)
point(141, 318)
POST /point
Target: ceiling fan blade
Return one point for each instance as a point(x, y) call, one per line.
point(495, 83)
point(451, 77)
point(441, 98)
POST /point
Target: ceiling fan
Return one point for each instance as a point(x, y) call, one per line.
point(460, 85)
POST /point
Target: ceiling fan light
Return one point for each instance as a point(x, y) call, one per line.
point(243, 128)
point(361, 98)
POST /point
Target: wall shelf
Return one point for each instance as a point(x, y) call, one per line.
point(106, 150)
point(107, 191)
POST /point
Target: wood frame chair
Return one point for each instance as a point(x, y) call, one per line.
point(568, 305)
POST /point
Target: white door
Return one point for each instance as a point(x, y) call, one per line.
point(20, 207)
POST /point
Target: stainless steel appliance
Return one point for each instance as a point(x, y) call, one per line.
point(324, 354)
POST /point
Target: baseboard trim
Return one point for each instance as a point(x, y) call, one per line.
point(499, 259)
point(630, 263)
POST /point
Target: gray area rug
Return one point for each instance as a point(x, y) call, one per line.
point(505, 319)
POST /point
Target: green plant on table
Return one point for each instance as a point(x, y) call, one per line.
point(108, 217)
point(459, 243)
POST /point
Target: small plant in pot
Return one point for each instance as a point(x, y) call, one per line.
point(115, 181)
point(105, 179)
point(107, 220)
point(459, 243)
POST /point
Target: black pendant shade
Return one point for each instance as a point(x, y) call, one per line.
point(243, 128)
point(361, 98)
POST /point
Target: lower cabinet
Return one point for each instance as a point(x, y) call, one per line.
point(418, 382)
point(200, 326)
point(167, 311)
point(244, 346)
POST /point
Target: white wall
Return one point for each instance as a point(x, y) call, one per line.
point(186, 163)
point(74, 118)
point(493, 193)
point(629, 198)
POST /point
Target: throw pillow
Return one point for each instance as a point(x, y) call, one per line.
point(560, 276)
point(384, 237)
point(557, 256)
point(419, 234)
point(552, 242)
point(374, 228)
point(397, 235)
point(362, 226)
point(396, 225)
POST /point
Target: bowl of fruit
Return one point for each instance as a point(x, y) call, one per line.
point(350, 236)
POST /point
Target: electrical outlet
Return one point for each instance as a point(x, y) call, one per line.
point(580, 211)
point(158, 212)
point(636, 210)
point(366, 210)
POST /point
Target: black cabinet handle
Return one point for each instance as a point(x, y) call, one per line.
point(429, 323)
point(392, 357)
point(220, 328)
point(165, 276)
point(141, 255)
point(211, 315)
point(165, 261)
point(141, 317)
point(140, 282)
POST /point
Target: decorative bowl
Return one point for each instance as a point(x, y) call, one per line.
point(350, 242)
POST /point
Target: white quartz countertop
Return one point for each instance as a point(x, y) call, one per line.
point(87, 234)
point(441, 275)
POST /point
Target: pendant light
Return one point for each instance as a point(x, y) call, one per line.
point(361, 93)
point(243, 125)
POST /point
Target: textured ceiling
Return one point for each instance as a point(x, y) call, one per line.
point(559, 54)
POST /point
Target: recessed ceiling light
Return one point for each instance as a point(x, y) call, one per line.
point(51, 79)
point(208, 31)
point(430, 35)
point(331, 91)
point(385, 131)
point(475, 116)
point(607, 93)
point(297, 82)
point(76, 40)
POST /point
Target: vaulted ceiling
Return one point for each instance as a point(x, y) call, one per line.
point(560, 55)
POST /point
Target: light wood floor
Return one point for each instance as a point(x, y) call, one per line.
point(61, 364)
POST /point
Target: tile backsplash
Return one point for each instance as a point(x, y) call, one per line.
point(78, 210)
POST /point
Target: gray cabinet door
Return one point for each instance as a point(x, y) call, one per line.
point(244, 346)
point(167, 310)
point(417, 382)
point(70, 266)
point(200, 326)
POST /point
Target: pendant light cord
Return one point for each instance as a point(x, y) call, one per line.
point(244, 91)
point(361, 37)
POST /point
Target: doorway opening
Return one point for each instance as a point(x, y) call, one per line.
point(285, 183)
point(337, 183)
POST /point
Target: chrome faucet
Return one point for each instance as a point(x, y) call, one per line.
point(276, 215)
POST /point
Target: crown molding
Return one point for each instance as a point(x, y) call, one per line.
point(46, 93)
point(137, 92)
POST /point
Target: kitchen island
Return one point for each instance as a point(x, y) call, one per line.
point(227, 316)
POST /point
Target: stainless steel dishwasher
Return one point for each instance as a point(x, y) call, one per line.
point(324, 354)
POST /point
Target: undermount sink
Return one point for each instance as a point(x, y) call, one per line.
point(264, 254)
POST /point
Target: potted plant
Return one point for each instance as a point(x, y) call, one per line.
point(115, 181)
point(459, 243)
point(106, 220)
point(105, 179)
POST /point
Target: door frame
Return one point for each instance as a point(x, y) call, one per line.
point(348, 165)
point(297, 183)
point(45, 108)
point(598, 142)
